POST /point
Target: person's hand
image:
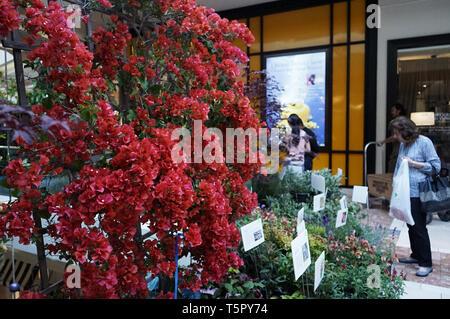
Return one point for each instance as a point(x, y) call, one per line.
point(411, 163)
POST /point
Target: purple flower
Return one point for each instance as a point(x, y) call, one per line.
point(263, 206)
point(326, 220)
point(330, 233)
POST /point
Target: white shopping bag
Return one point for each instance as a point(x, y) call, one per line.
point(400, 202)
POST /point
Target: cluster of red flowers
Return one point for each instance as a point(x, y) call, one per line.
point(188, 72)
point(9, 17)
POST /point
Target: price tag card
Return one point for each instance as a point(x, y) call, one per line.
point(252, 234)
point(360, 194)
point(340, 172)
point(301, 256)
point(341, 218)
point(319, 202)
point(318, 182)
point(319, 269)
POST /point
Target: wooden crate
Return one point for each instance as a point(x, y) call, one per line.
point(380, 185)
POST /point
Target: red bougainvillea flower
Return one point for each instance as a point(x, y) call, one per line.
point(9, 17)
point(114, 170)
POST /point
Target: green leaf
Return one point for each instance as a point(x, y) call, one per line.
point(78, 165)
point(4, 183)
point(131, 115)
point(155, 89)
point(228, 287)
point(249, 285)
point(47, 103)
point(15, 193)
point(135, 91)
point(43, 214)
point(78, 68)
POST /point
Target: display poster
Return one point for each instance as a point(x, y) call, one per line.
point(299, 87)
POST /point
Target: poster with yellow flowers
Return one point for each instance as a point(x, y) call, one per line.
point(301, 78)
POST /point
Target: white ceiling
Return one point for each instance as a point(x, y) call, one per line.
point(220, 5)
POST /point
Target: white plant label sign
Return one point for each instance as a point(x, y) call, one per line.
point(318, 182)
point(319, 269)
point(252, 234)
point(360, 194)
point(319, 202)
point(301, 256)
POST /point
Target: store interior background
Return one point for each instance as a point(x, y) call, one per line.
point(359, 110)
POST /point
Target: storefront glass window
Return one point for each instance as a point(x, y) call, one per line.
point(424, 90)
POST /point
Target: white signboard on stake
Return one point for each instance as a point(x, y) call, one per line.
point(341, 218)
point(340, 172)
point(319, 269)
point(252, 234)
point(319, 202)
point(343, 202)
point(318, 182)
point(301, 256)
point(300, 226)
point(360, 194)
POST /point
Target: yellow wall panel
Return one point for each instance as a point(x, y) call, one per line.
point(356, 169)
point(340, 22)
point(298, 28)
point(321, 161)
point(358, 20)
point(339, 122)
point(338, 161)
point(255, 28)
point(356, 116)
point(255, 63)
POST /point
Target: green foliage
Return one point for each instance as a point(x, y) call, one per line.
point(296, 295)
point(349, 249)
point(235, 285)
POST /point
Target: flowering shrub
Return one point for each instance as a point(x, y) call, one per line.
point(236, 285)
point(347, 270)
point(117, 158)
point(349, 249)
point(271, 262)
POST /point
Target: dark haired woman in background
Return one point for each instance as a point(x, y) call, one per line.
point(422, 158)
point(295, 144)
point(396, 111)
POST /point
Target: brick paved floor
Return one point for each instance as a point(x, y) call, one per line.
point(377, 216)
